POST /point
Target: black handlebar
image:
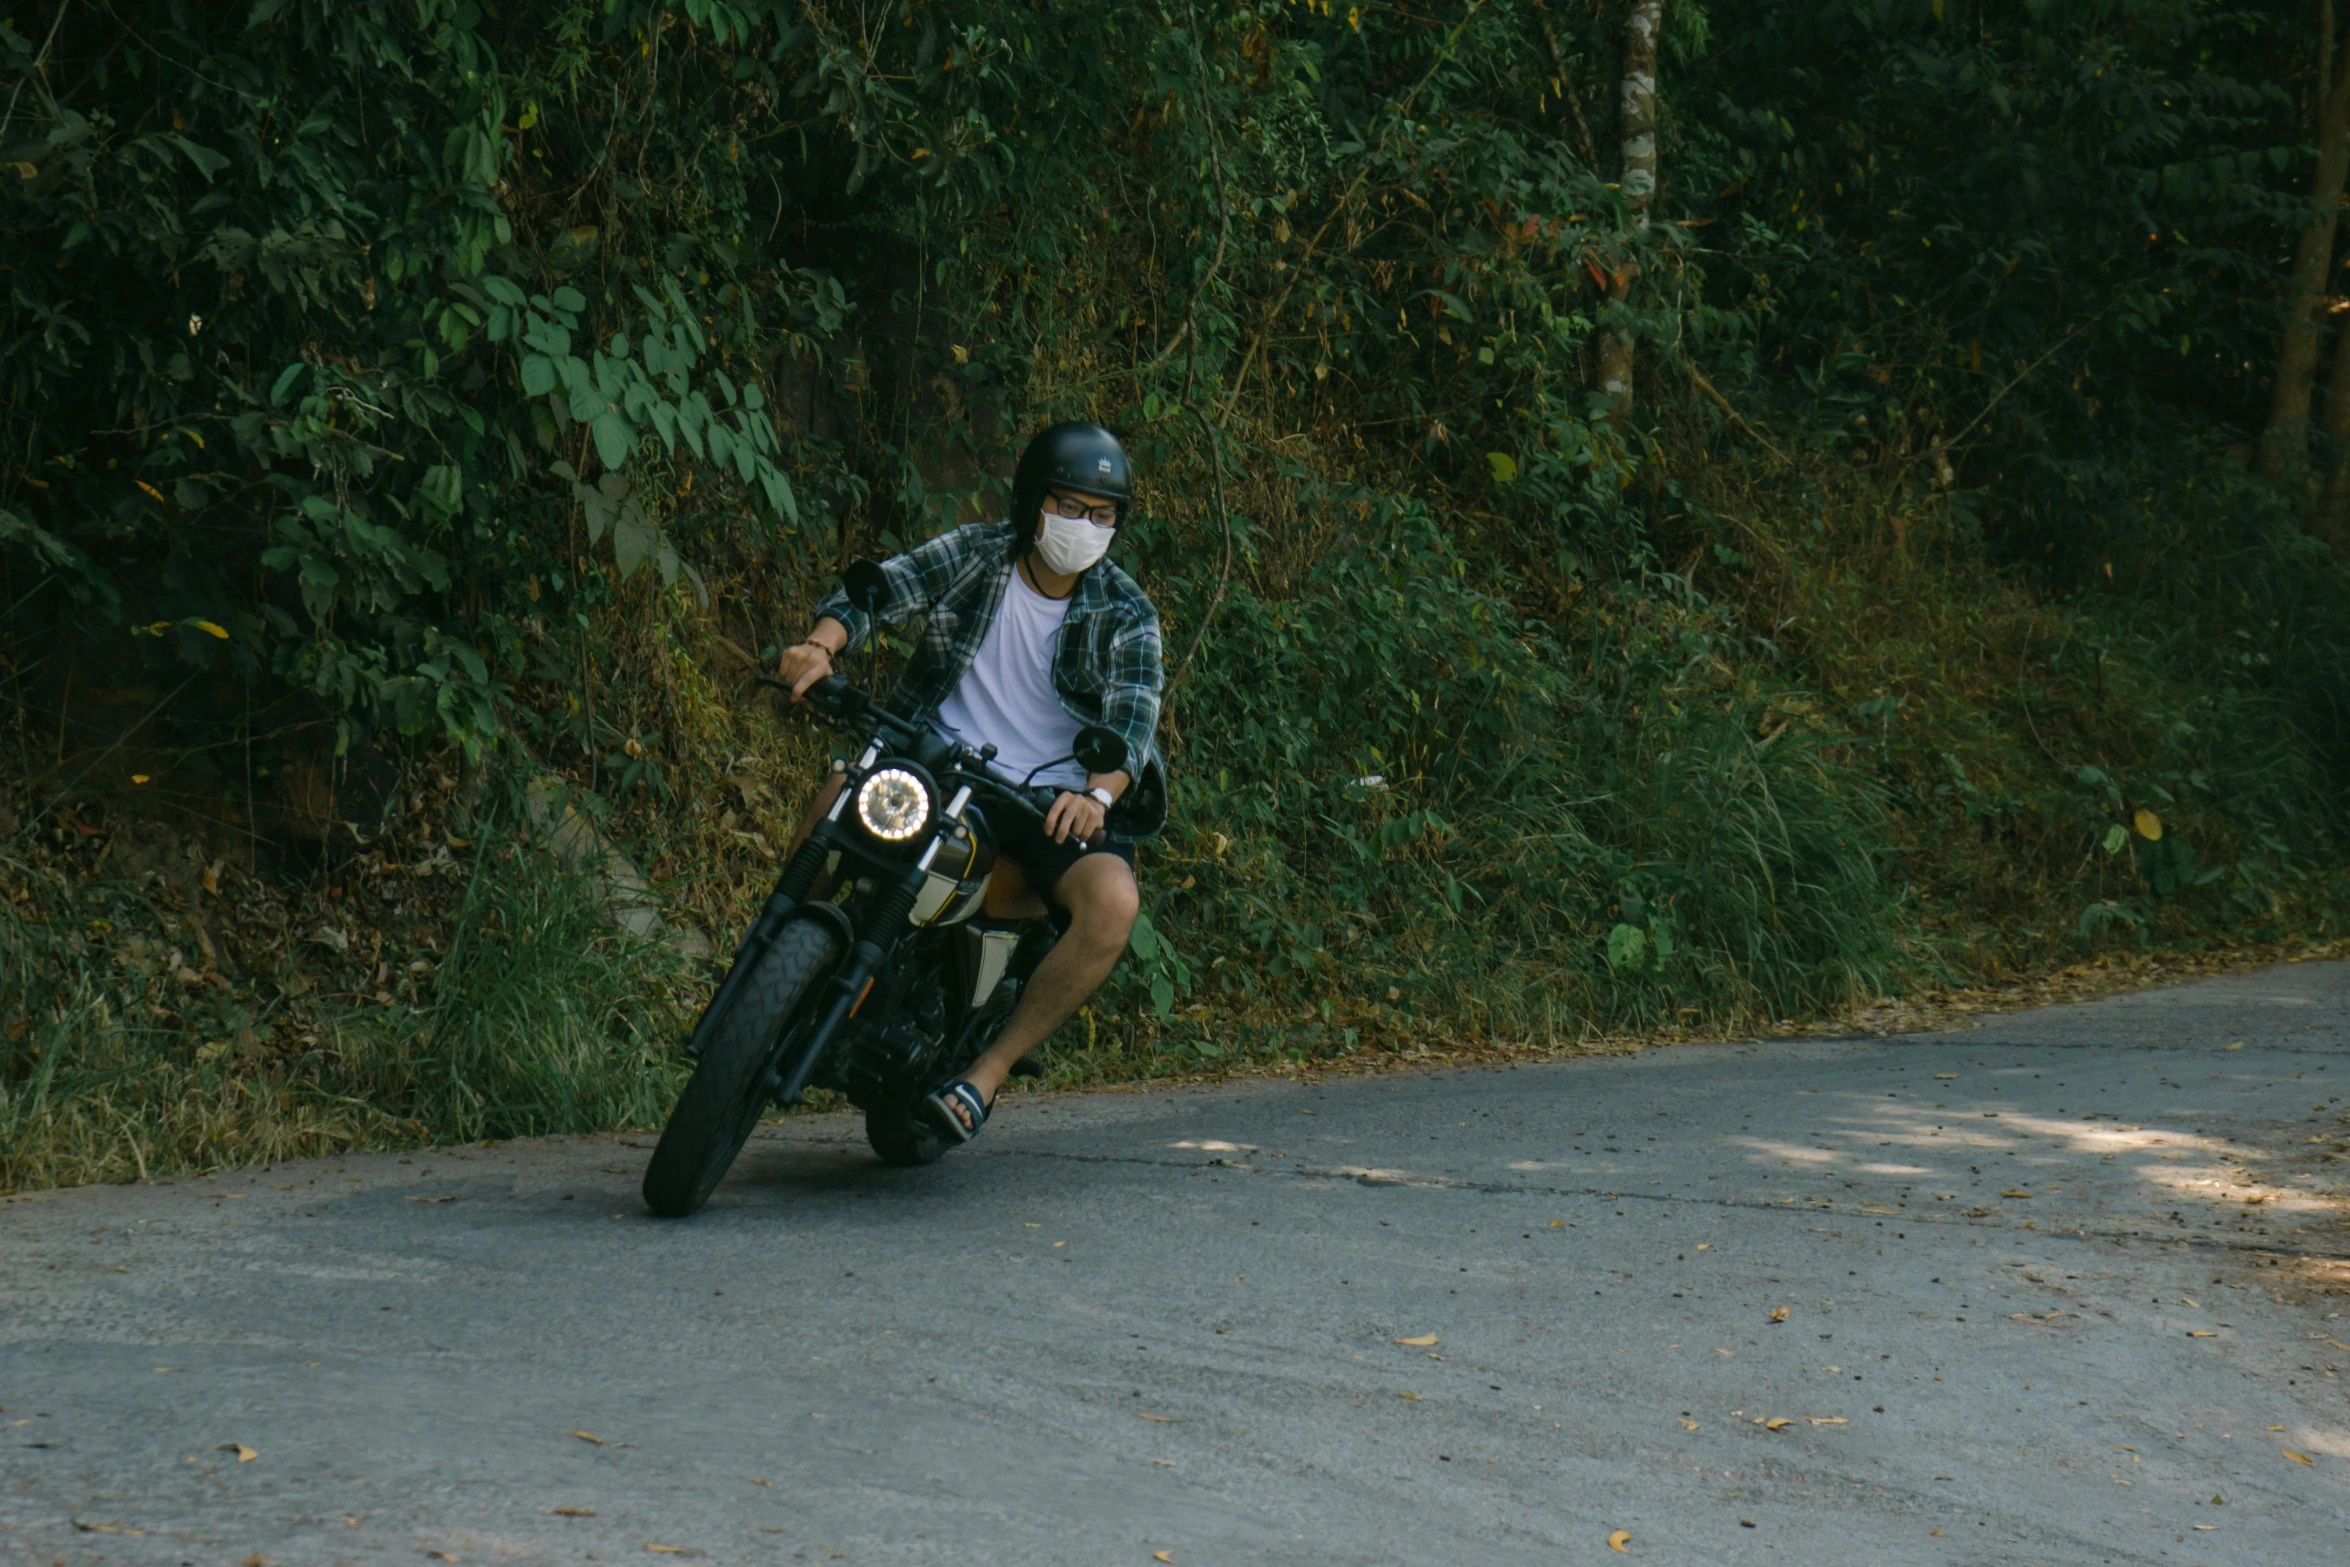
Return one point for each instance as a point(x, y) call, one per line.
point(846, 703)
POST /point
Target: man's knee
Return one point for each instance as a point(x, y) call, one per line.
point(1103, 899)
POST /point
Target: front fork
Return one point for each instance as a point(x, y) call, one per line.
point(881, 925)
point(880, 929)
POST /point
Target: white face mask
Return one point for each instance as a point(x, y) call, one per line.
point(1071, 544)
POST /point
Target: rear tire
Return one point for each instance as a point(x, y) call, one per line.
point(720, 1107)
point(897, 1138)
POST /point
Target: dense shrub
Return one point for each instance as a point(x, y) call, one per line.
point(414, 399)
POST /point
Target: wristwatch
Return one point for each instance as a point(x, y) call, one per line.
point(1097, 792)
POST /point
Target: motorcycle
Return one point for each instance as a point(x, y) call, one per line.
point(890, 983)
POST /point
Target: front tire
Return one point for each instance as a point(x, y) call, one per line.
point(722, 1101)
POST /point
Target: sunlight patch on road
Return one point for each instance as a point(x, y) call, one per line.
point(2182, 1164)
point(2216, 1181)
point(1394, 1177)
point(2309, 1439)
point(2102, 1137)
point(1942, 1135)
point(1787, 1151)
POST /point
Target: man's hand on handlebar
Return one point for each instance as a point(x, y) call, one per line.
point(1076, 816)
point(802, 666)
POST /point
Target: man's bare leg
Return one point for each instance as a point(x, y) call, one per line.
point(1102, 900)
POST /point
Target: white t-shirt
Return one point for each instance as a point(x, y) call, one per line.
point(1006, 698)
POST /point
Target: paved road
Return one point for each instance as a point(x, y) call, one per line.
point(1472, 1317)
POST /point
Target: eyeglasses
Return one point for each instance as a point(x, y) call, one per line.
point(1099, 516)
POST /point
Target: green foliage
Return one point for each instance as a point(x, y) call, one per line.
point(541, 1018)
point(266, 379)
point(2045, 236)
point(395, 343)
point(1602, 824)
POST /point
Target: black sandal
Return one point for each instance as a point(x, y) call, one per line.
point(955, 1112)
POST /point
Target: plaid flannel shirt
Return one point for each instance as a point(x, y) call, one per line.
point(1107, 667)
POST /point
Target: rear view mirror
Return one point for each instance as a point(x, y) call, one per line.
point(1099, 750)
point(867, 585)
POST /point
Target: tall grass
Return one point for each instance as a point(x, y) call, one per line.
point(2017, 731)
point(1411, 808)
point(542, 1017)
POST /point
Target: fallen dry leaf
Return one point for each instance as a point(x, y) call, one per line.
point(1865, 1208)
point(1826, 1420)
point(2015, 1194)
point(1779, 1314)
point(1162, 1556)
point(1422, 1342)
point(432, 1199)
point(1621, 1540)
point(1946, 1077)
point(1725, 1352)
point(1777, 1423)
point(1558, 1224)
point(2296, 1457)
point(1414, 1397)
point(1705, 1245)
point(1689, 1425)
point(2201, 1333)
point(575, 1512)
point(245, 1455)
point(104, 1528)
point(585, 1437)
point(1165, 1420)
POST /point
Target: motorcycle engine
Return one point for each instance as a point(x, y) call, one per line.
point(886, 1056)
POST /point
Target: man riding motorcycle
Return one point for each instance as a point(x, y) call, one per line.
point(1031, 634)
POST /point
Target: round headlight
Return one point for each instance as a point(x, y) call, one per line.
point(893, 805)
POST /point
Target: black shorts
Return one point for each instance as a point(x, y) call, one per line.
point(1046, 862)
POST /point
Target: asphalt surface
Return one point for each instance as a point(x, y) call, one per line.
point(2068, 1287)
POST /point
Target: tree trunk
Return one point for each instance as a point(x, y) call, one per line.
point(2284, 445)
point(1639, 186)
point(2334, 510)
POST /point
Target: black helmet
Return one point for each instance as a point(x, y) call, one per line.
point(1068, 456)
